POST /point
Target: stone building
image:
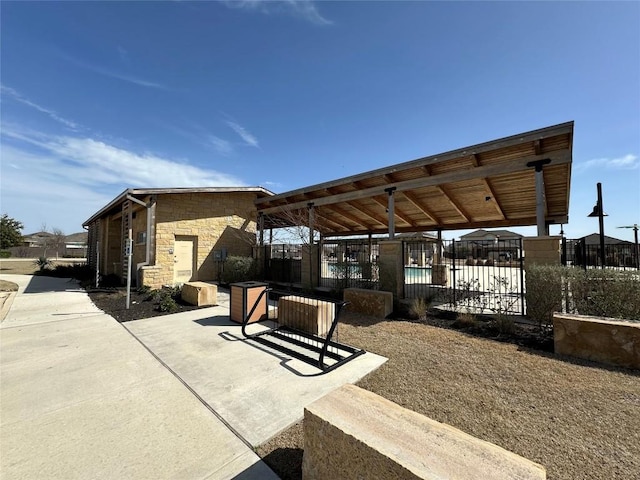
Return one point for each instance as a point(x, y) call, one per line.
point(175, 235)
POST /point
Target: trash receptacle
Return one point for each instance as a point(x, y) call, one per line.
point(244, 295)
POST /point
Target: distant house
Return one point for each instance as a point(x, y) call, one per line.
point(488, 244)
point(586, 251)
point(594, 239)
point(46, 244)
point(490, 236)
point(175, 235)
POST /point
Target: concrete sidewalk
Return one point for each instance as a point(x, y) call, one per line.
point(81, 398)
point(176, 396)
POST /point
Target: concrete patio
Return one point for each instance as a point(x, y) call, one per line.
point(177, 396)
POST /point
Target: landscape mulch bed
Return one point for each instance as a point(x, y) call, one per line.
point(579, 419)
point(114, 302)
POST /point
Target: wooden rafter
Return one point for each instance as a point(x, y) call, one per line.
point(414, 200)
point(496, 201)
point(367, 212)
point(504, 168)
point(340, 211)
point(454, 203)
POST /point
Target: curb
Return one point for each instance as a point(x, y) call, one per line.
point(7, 301)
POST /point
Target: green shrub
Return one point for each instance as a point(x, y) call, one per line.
point(605, 293)
point(544, 292)
point(238, 269)
point(42, 263)
point(168, 304)
point(597, 292)
point(5, 254)
point(143, 289)
point(174, 292)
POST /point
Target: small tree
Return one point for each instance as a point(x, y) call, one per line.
point(10, 228)
point(57, 239)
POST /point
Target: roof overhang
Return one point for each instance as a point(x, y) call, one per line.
point(482, 186)
point(141, 193)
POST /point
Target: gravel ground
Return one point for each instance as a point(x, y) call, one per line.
point(579, 419)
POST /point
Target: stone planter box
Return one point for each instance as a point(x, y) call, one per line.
point(306, 314)
point(200, 293)
point(352, 434)
point(605, 340)
point(375, 303)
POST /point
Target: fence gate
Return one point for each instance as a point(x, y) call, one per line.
point(473, 276)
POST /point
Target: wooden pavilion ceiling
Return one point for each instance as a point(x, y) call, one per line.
point(487, 185)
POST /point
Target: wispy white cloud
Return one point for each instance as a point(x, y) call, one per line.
point(305, 9)
point(221, 145)
point(78, 175)
point(93, 162)
point(248, 138)
point(10, 92)
point(108, 72)
point(127, 78)
point(626, 162)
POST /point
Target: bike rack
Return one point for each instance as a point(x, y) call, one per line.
point(316, 350)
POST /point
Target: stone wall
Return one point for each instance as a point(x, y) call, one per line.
point(391, 268)
point(605, 340)
point(216, 220)
point(352, 433)
point(375, 303)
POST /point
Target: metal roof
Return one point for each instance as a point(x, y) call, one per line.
point(482, 186)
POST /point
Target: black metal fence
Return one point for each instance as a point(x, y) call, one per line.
point(473, 276)
point(283, 263)
point(349, 263)
point(620, 256)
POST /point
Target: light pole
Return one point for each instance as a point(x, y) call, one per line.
point(598, 212)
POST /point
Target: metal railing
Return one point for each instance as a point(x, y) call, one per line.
point(478, 277)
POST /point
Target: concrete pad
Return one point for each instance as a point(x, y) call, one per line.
point(259, 391)
point(81, 398)
point(46, 299)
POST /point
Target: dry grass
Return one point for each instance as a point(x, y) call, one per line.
point(578, 419)
point(8, 286)
point(18, 267)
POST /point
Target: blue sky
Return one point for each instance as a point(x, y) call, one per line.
point(101, 96)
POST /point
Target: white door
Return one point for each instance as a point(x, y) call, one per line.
point(183, 266)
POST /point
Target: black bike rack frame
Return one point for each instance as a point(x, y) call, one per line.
point(309, 348)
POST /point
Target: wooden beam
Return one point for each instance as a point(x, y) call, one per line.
point(340, 211)
point(397, 212)
point(520, 222)
point(504, 168)
point(494, 197)
point(537, 147)
point(368, 213)
point(454, 203)
point(476, 163)
point(414, 200)
point(514, 140)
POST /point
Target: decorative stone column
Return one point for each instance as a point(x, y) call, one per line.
point(391, 267)
point(542, 250)
point(310, 266)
